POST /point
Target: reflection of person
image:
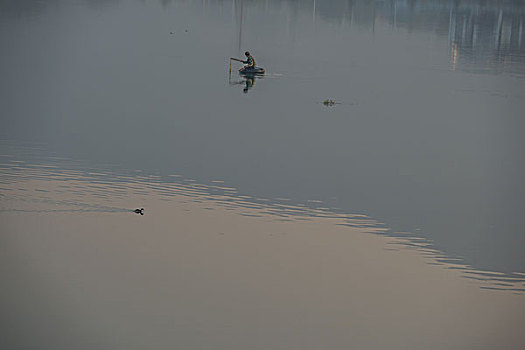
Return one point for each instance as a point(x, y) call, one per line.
point(250, 82)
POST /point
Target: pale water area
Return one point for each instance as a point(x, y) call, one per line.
point(390, 219)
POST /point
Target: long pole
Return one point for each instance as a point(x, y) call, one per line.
point(230, 74)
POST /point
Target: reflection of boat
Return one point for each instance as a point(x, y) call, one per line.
point(248, 79)
point(252, 71)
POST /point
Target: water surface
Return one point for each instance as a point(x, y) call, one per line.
point(424, 144)
point(208, 267)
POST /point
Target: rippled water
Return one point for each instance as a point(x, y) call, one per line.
point(82, 268)
point(54, 185)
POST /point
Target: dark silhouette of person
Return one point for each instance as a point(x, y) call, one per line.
point(250, 62)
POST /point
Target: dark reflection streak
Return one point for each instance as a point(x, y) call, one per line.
point(23, 8)
point(67, 203)
point(506, 289)
point(64, 210)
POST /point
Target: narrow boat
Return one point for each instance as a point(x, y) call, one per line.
point(252, 71)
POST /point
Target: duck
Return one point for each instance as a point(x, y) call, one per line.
point(139, 211)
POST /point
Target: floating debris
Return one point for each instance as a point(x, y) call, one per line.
point(329, 102)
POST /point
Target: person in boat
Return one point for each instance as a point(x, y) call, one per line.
point(250, 62)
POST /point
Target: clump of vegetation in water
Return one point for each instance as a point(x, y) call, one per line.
point(329, 102)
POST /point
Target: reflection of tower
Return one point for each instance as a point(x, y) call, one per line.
point(374, 18)
point(499, 31)
point(452, 48)
point(237, 14)
point(347, 14)
point(240, 28)
point(313, 13)
point(453, 56)
point(394, 22)
point(519, 35)
point(488, 37)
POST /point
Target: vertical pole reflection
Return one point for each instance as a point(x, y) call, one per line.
point(374, 19)
point(240, 29)
point(233, 11)
point(519, 35)
point(313, 13)
point(451, 38)
point(454, 57)
point(395, 14)
point(499, 30)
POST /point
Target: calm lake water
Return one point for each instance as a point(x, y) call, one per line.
point(424, 142)
point(426, 138)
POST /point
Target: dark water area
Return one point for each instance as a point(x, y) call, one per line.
point(425, 136)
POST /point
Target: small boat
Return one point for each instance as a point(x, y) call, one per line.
point(252, 71)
